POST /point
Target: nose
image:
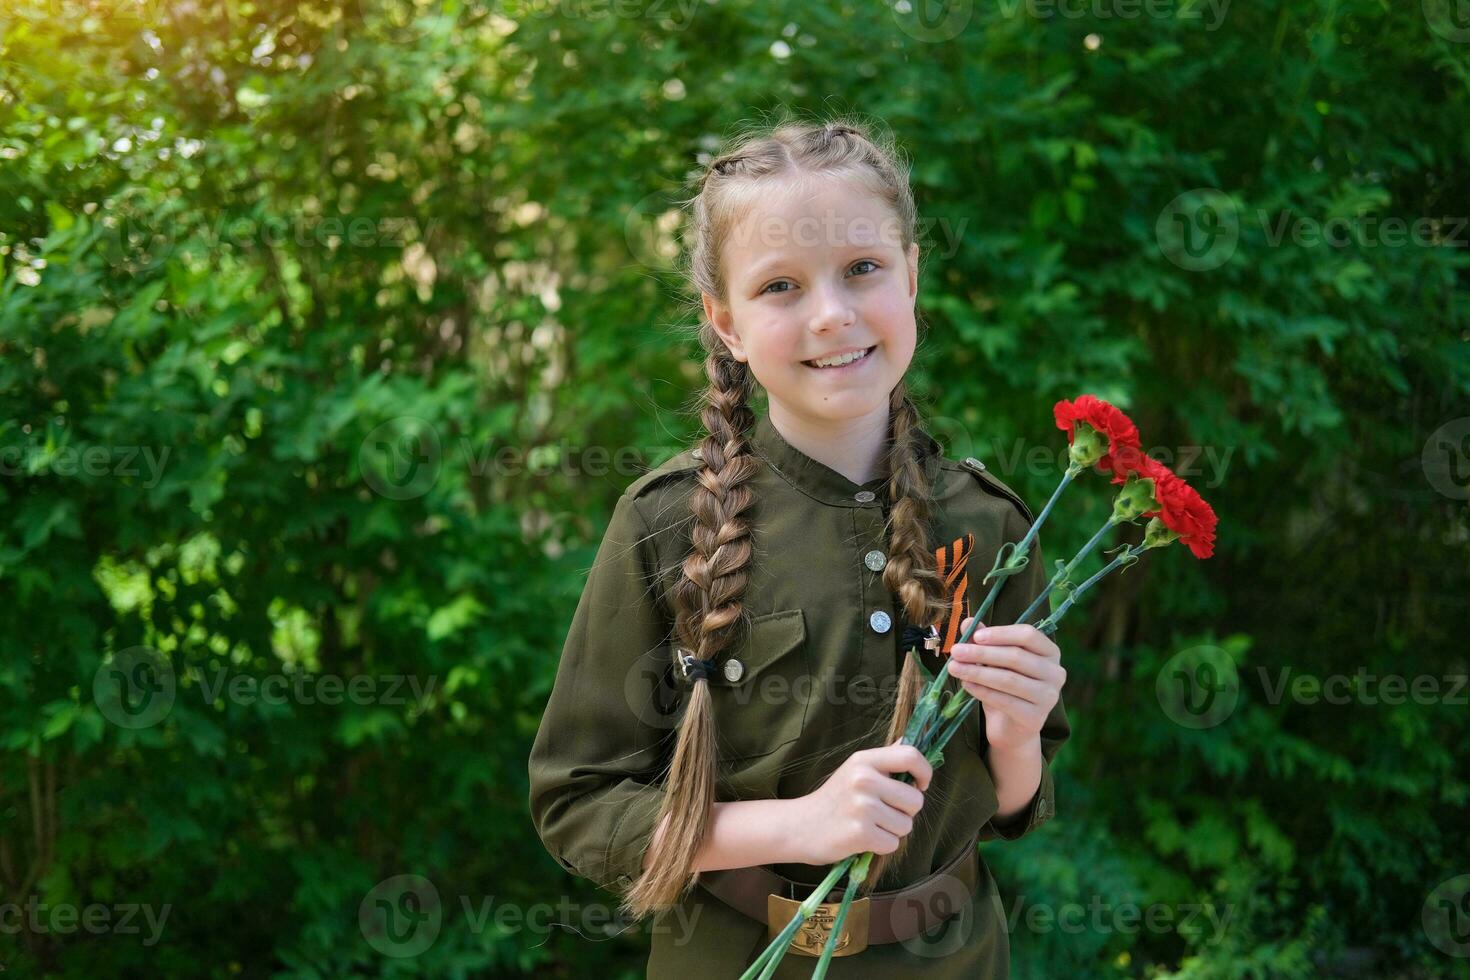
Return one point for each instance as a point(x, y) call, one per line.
point(833, 310)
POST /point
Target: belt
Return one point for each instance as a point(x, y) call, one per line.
point(879, 917)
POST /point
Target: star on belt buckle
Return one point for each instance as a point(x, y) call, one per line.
point(812, 936)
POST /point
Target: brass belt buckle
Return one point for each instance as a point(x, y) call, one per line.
point(812, 936)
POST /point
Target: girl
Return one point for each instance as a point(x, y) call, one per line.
point(726, 712)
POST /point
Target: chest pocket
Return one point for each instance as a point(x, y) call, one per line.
point(761, 704)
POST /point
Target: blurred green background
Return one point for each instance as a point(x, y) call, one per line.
point(330, 332)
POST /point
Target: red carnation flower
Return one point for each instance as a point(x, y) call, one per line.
point(1106, 418)
point(1125, 461)
point(1182, 509)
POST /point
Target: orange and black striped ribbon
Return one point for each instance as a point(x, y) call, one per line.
point(950, 560)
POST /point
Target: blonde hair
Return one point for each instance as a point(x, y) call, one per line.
point(707, 597)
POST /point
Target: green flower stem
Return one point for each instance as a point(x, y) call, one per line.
point(1022, 548)
point(766, 962)
point(1064, 574)
point(1126, 557)
point(1047, 626)
point(928, 701)
point(856, 877)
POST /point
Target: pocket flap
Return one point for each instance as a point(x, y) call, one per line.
point(770, 638)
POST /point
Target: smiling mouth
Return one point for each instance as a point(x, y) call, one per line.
point(833, 367)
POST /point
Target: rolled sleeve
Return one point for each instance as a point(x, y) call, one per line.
point(1014, 597)
point(597, 763)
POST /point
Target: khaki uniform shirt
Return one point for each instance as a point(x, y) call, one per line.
point(816, 675)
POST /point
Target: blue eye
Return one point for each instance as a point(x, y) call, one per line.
point(782, 282)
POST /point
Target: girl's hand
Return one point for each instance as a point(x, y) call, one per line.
point(1016, 673)
point(860, 807)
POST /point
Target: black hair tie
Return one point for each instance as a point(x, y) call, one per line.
point(915, 637)
point(691, 668)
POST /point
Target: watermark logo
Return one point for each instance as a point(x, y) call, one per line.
point(1199, 687)
point(1446, 916)
point(933, 21)
point(1450, 19)
point(1199, 230)
point(401, 916)
point(950, 902)
point(136, 688)
point(400, 459)
point(1446, 459)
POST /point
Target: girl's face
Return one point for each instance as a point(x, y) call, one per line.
point(812, 271)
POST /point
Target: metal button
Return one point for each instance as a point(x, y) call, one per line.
point(875, 560)
point(974, 463)
point(734, 670)
point(880, 621)
point(864, 496)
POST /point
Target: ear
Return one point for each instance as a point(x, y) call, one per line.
point(913, 270)
point(724, 323)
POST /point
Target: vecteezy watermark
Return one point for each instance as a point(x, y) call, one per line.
point(1101, 916)
point(138, 686)
point(400, 458)
point(655, 701)
point(935, 21)
point(652, 224)
point(1363, 230)
point(329, 232)
point(1446, 916)
point(1198, 230)
point(1042, 459)
point(932, 21)
point(402, 916)
point(1363, 687)
point(96, 918)
point(1450, 19)
point(1446, 458)
point(304, 688)
point(672, 14)
point(1198, 687)
point(404, 457)
point(1210, 13)
point(119, 461)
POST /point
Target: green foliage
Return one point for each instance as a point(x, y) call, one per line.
point(315, 317)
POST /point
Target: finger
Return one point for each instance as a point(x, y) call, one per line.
point(1015, 708)
point(1020, 635)
point(896, 822)
point(1018, 659)
point(901, 796)
point(903, 758)
point(1027, 688)
point(965, 624)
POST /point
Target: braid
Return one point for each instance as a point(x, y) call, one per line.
point(707, 613)
point(707, 598)
point(911, 572)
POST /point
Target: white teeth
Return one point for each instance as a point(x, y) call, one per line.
point(841, 359)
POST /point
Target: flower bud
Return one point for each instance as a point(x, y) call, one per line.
point(1157, 534)
point(1088, 445)
point(1135, 499)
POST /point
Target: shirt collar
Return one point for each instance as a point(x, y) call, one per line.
point(819, 481)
